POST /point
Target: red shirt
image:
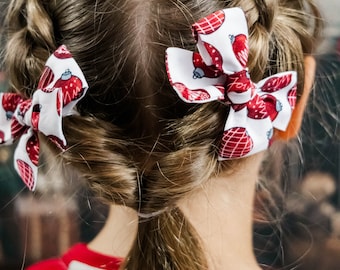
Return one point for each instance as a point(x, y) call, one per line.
point(79, 257)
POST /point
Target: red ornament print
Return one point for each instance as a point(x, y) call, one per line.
point(9, 102)
point(236, 143)
point(26, 173)
point(57, 141)
point(239, 82)
point(72, 87)
point(240, 48)
point(273, 106)
point(257, 108)
point(209, 24)
point(276, 83)
point(292, 97)
point(45, 79)
point(16, 128)
point(191, 95)
point(202, 70)
point(2, 137)
point(35, 116)
point(215, 55)
point(32, 148)
point(62, 52)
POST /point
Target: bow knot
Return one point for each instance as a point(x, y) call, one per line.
point(239, 88)
point(61, 86)
point(218, 72)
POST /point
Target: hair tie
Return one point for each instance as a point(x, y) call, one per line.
point(218, 72)
point(60, 87)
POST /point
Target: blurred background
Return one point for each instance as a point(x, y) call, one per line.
point(44, 224)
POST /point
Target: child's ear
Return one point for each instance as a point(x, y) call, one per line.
point(296, 119)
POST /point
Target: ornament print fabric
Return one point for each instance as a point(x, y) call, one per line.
point(218, 72)
point(61, 86)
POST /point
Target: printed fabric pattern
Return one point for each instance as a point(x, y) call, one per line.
point(61, 86)
point(218, 72)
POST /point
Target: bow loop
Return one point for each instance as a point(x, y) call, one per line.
point(60, 87)
point(279, 93)
point(218, 72)
point(222, 42)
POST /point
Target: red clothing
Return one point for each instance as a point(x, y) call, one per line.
point(79, 257)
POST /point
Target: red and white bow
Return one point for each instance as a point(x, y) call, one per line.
point(218, 72)
point(61, 86)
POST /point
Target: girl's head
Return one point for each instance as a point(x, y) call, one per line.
point(134, 141)
point(132, 128)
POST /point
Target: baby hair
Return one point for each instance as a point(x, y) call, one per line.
point(133, 141)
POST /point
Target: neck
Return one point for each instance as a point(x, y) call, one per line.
point(222, 214)
point(221, 211)
point(118, 234)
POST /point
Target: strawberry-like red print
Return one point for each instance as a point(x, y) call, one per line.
point(215, 55)
point(191, 95)
point(17, 129)
point(26, 173)
point(273, 106)
point(276, 83)
point(9, 102)
point(240, 48)
point(292, 97)
point(202, 70)
point(32, 148)
point(236, 143)
point(24, 107)
point(210, 23)
point(59, 103)
point(62, 52)
point(72, 87)
point(45, 79)
point(257, 108)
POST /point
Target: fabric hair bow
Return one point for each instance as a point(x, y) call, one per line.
point(61, 86)
point(218, 72)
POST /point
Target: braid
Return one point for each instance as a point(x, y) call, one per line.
point(96, 148)
point(102, 158)
point(134, 142)
point(29, 44)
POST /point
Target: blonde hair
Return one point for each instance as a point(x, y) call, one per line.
point(134, 142)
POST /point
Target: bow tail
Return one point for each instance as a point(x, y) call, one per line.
point(50, 115)
point(26, 157)
point(244, 136)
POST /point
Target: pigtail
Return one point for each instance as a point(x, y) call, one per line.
point(95, 147)
point(167, 242)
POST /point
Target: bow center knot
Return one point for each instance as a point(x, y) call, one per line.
point(239, 89)
point(21, 112)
